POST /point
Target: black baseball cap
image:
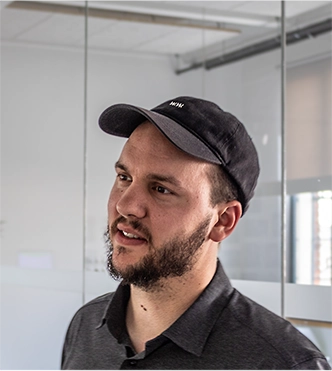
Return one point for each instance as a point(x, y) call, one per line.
point(200, 128)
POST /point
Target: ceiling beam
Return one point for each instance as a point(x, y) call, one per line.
point(171, 11)
point(120, 15)
point(4, 4)
point(183, 10)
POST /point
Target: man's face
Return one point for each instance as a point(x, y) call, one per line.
point(159, 210)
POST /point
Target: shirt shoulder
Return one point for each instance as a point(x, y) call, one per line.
point(82, 327)
point(98, 303)
point(270, 338)
point(92, 312)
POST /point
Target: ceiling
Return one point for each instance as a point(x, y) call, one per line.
point(187, 29)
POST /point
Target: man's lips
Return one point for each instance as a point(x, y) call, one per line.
point(125, 235)
point(122, 240)
point(129, 232)
point(130, 235)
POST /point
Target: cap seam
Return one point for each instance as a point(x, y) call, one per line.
point(234, 132)
point(194, 134)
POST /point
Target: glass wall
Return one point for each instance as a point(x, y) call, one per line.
point(309, 174)
point(42, 90)
point(63, 63)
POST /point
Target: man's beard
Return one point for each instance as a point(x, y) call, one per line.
point(173, 259)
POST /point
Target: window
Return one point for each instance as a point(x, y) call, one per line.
point(311, 236)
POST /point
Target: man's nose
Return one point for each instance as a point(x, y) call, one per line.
point(132, 202)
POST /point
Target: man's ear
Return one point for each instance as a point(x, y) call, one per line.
point(228, 215)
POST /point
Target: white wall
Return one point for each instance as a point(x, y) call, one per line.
point(41, 193)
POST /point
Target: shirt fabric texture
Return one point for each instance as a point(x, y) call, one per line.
point(222, 329)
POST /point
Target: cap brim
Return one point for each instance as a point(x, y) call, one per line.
point(122, 119)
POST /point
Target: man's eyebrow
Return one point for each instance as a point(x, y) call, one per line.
point(153, 177)
point(119, 165)
point(165, 178)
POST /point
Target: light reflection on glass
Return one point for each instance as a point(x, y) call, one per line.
point(312, 217)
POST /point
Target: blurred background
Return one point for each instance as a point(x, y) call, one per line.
point(63, 63)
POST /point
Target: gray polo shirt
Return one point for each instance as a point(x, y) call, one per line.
point(222, 329)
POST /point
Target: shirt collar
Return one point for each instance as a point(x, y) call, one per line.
point(115, 313)
point(191, 330)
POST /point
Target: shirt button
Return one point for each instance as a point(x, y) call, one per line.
point(133, 363)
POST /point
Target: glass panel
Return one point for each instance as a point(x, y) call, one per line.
point(309, 166)
point(41, 182)
point(131, 61)
point(309, 155)
point(249, 86)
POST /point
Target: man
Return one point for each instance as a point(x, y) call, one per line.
point(184, 178)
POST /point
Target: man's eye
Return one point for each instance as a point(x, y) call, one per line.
point(162, 190)
point(123, 178)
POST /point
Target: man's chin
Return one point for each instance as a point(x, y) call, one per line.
point(124, 263)
point(127, 255)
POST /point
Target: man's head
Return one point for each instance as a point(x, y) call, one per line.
point(200, 128)
point(168, 208)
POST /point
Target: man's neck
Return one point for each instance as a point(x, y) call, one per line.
point(149, 313)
